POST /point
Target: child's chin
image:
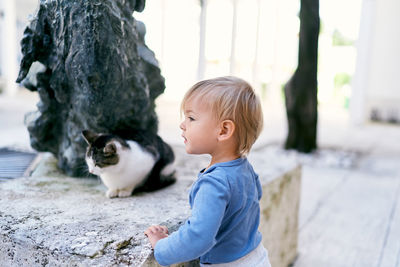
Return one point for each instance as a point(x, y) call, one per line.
point(188, 150)
point(193, 151)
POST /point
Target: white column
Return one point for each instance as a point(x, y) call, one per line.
point(8, 46)
point(163, 29)
point(201, 68)
point(275, 87)
point(256, 78)
point(362, 71)
point(232, 65)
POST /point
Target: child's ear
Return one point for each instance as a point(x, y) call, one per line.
point(227, 128)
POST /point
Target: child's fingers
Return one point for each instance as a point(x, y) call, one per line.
point(147, 232)
point(151, 230)
point(164, 229)
point(155, 229)
point(160, 228)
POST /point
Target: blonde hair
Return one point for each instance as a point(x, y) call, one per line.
point(231, 98)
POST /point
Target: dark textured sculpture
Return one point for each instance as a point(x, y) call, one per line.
point(98, 75)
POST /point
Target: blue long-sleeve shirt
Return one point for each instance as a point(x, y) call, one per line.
point(225, 216)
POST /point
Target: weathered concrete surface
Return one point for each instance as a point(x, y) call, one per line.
point(279, 217)
point(50, 219)
point(54, 220)
point(279, 205)
point(351, 216)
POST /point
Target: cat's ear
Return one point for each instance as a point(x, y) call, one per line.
point(110, 148)
point(89, 136)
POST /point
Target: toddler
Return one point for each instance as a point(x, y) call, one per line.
point(223, 118)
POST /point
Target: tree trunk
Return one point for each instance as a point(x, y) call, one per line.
point(301, 89)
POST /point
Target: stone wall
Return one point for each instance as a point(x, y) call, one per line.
point(51, 219)
point(279, 217)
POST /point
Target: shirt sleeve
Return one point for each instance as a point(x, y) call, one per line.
point(259, 187)
point(197, 235)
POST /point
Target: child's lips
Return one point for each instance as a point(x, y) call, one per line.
point(184, 139)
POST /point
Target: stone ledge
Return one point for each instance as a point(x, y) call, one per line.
point(279, 217)
point(49, 218)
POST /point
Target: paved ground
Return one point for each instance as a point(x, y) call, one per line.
point(350, 204)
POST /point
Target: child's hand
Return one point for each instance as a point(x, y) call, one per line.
point(155, 233)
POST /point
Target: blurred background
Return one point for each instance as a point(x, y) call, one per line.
point(258, 41)
point(350, 198)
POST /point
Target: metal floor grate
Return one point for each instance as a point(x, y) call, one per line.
point(13, 163)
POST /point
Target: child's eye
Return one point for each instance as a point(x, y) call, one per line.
point(191, 118)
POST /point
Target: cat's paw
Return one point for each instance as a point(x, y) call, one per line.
point(111, 193)
point(168, 170)
point(125, 193)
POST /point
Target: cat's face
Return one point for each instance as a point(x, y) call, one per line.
point(102, 151)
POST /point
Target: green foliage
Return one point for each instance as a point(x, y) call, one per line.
point(342, 90)
point(338, 39)
point(321, 26)
point(264, 90)
point(283, 91)
point(341, 79)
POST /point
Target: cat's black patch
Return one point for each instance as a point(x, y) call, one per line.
point(97, 150)
point(162, 152)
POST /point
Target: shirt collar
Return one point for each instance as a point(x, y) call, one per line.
point(230, 163)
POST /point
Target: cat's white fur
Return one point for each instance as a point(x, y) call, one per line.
point(131, 170)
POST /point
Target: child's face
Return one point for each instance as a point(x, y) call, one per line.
point(200, 128)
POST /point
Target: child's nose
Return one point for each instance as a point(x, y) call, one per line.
point(182, 125)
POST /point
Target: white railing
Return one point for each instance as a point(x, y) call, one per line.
point(192, 39)
point(8, 50)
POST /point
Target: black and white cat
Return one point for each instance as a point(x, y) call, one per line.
point(129, 160)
